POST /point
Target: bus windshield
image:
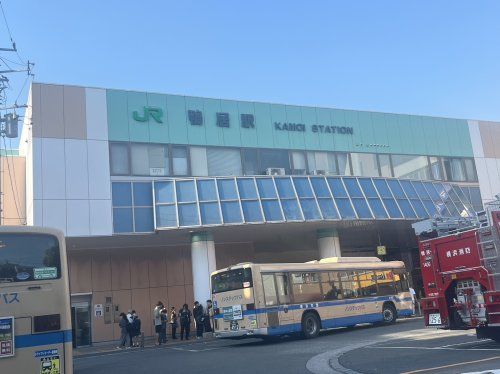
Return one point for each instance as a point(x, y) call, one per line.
point(232, 280)
point(32, 257)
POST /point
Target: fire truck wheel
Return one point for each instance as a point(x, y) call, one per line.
point(310, 325)
point(389, 314)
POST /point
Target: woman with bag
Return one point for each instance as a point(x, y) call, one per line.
point(173, 321)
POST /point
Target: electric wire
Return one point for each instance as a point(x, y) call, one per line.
point(10, 34)
point(12, 184)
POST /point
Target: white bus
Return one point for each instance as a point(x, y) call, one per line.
point(279, 299)
point(35, 321)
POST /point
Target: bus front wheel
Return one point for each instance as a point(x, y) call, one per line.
point(389, 314)
point(310, 325)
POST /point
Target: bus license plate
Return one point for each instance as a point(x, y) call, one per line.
point(434, 319)
point(234, 326)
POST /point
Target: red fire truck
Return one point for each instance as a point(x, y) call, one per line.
point(460, 262)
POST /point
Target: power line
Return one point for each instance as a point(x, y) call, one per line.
point(10, 34)
point(11, 184)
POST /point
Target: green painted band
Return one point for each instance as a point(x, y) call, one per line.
point(202, 236)
point(326, 233)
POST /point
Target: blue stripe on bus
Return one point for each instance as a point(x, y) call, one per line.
point(321, 304)
point(33, 340)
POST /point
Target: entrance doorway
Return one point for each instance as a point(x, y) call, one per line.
point(80, 322)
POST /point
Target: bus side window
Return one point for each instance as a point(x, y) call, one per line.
point(367, 282)
point(350, 285)
point(385, 282)
point(306, 287)
point(269, 289)
point(331, 286)
point(401, 282)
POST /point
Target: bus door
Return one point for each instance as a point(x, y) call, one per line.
point(271, 300)
point(284, 300)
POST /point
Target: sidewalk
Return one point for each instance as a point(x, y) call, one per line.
point(149, 343)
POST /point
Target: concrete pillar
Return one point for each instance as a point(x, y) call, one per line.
point(328, 243)
point(203, 264)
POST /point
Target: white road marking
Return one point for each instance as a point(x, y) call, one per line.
point(432, 348)
point(452, 365)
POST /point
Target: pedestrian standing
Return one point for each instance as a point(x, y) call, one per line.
point(164, 318)
point(198, 319)
point(157, 320)
point(185, 320)
point(123, 330)
point(130, 329)
point(208, 316)
point(136, 329)
point(173, 321)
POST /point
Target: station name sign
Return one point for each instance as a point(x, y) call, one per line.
point(322, 129)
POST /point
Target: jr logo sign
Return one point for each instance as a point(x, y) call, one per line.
point(148, 111)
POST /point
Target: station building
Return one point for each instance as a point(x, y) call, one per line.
point(155, 191)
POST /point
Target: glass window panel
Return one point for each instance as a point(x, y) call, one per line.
point(119, 160)
point(377, 208)
point(251, 211)
point(311, 162)
point(345, 208)
point(166, 216)
point(143, 219)
point(310, 209)
point(320, 187)
point(291, 210)
point(361, 208)
point(436, 168)
point(364, 164)
point(344, 164)
point(328, 209)
point(270, 158)
point(122, 220)
point(385, 165)
point(185, 191)
point(454, 169)
point(332, 163)
point(299, 163)
point(250, 162)
point(306, 288)
point(460, 194)
point(266, 188)
point(231, 211)
point(285, 188)
point(210, 214)
point(198, 160)
point(206, 189)
point(143, 194)
point(368, 188)
point(223, 161)
point(122, 193)
point(352, 187)
point(179, 160)
point(408, 188)
point(392, 208)
point(396, 189)
point(164, 192)
point(406, 208)
point(188, 214)
point(431, 208)
point(429, 187)
point(451, 192)
point(382, 188)
point(227, 189)
point(412, 167)
point(470, 170)
point(303, 187)
point(139, 156)
point(158, 160)
point(475, 196)
point(272, 210)
point(337, 187)
point(419, 208)
point(246, 187)
point(421, 191)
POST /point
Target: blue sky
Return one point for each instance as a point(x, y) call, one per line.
point(426, 57)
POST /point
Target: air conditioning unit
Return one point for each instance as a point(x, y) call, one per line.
point(319, 172)
point(299, 171)
point(275, 171)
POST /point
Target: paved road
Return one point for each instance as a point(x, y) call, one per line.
point(291, 355)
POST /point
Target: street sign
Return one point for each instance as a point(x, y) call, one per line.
point(381, 250)
point(6, 337)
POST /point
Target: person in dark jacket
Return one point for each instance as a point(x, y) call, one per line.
point(123, 330)
point(136, 329)
point(198, 319)
point(208, 316)
point(173, 322)
point(164, 318)
point(185, 320)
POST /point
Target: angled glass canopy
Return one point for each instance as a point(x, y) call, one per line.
point(203, 202)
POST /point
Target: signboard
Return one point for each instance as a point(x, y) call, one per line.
point(6, 337)
point(157, 172)
point(381, 250)
point(98, 310)
point(44, 273)
point(231, 313)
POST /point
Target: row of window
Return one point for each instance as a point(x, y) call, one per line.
point(216, 201)
point(311, 287)
point(178, 160)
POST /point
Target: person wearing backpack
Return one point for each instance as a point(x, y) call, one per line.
point(185, 320)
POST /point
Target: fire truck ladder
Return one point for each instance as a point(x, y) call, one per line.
point(488, 241)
